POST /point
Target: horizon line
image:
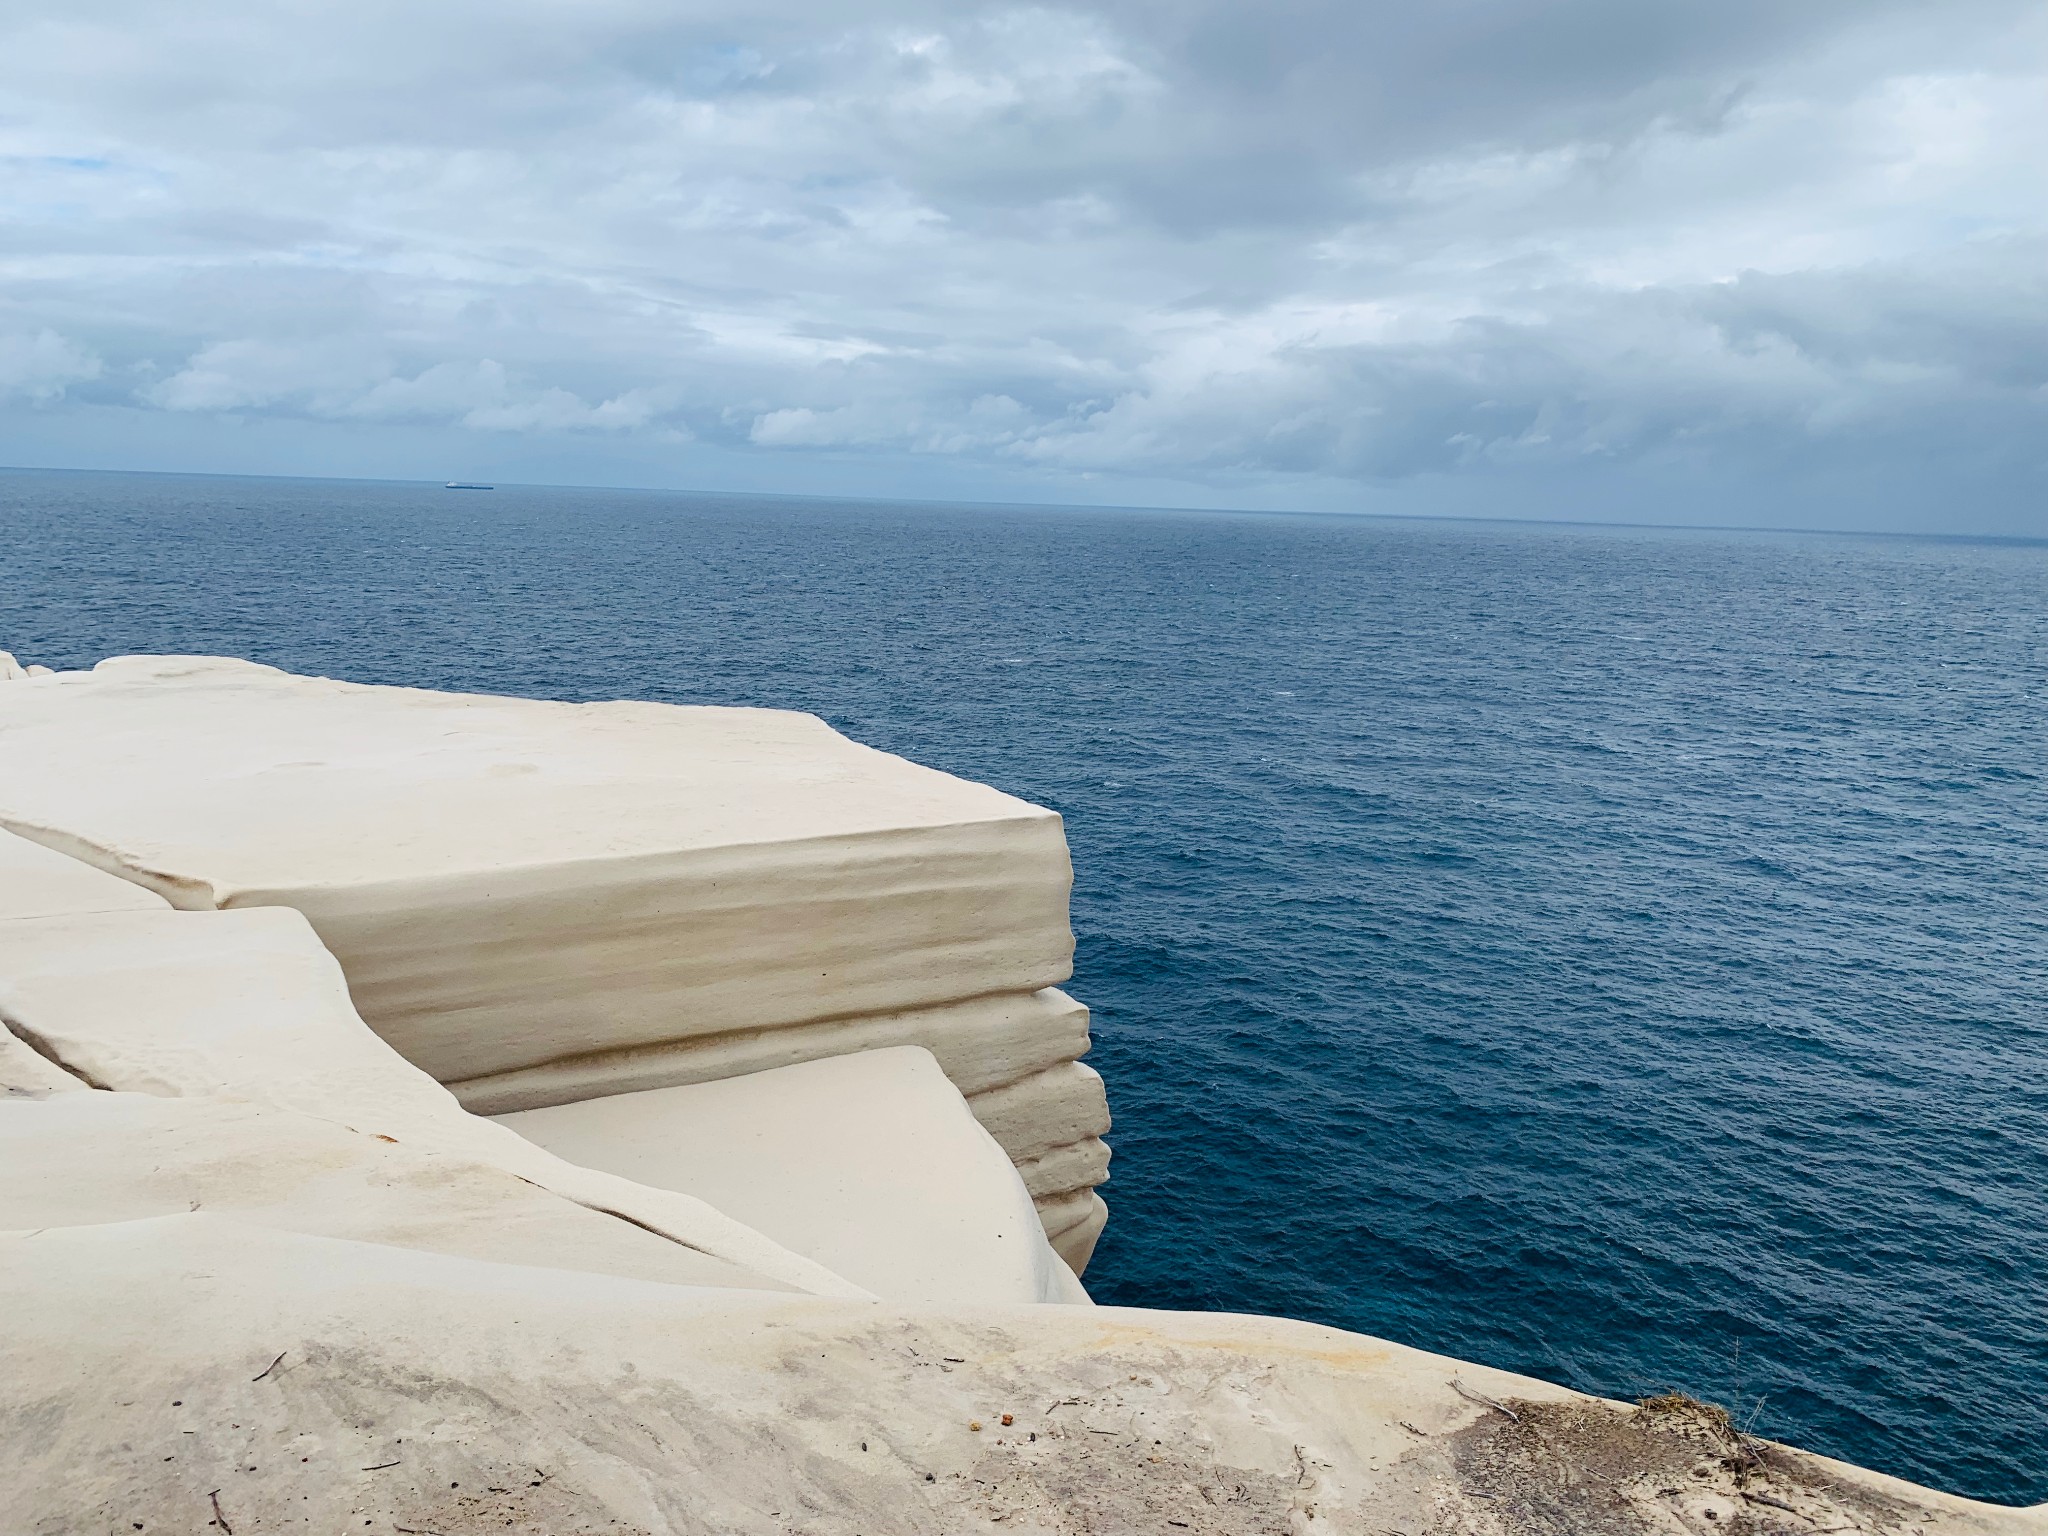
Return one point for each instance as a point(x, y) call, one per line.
point(1055, 506)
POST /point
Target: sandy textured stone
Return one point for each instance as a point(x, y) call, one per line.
point(1045, 1111)
point(870, 1163)
point(1075, 1240)
point(1079, 1165)
point(247, 1004)
point(265, 1275)
point(507, 881)
point(26, 1073)
point(39, 882)
point(79, 1159)
point(1051, 1124)
point(981, 1042)
point(542, 902)
point(1073, 1221)
point(155, 1371)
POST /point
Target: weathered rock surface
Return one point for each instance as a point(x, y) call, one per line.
point(38, 882)
point(871, 1164)
point(83, 1158)
point(537, 902)
point(190, 1373)
point(247, 1005)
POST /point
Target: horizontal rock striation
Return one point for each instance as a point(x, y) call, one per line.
point(538, 902)
point(1013, 1056)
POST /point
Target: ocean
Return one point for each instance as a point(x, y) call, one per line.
point(1613, 954)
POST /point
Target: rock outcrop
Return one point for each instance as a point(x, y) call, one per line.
point(259, 1272)
point(193, 1373)
point(538, 903)
point(871, 1164)
point(246, 1006)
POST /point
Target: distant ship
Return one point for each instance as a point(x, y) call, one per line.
point(466, 485)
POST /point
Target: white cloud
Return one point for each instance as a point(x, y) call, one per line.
point(446, 391)
point(41, 365)
point(338, 382)
point(252, 373)
point(1205, 239)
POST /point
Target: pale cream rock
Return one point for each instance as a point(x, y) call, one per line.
point(1012, 1055)
point(1072, 1222)
point(540, 902)
point(1080, 1165)
point(1051, 1125)
point(247, 1004)
point(158, 1371)
point(1049, 1110)
point(871, 1164)
point(26, 1073)
point(83, 1158)
point(508, 881)
point(981, 1042)
point(37, 882)
point(334, 1340)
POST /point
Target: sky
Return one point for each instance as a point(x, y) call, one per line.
point(1777, 262)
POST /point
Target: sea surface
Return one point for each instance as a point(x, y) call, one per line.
point(1610, 954)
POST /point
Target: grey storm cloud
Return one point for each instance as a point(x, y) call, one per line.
point(1216, 244)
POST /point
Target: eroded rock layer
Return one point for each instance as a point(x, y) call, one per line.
point(190, 1373)
point(870, 1163)
point(541, 902)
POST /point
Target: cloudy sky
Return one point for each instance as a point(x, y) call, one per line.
point(1752, 261)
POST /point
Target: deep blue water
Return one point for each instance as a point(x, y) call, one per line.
point(1615, 955)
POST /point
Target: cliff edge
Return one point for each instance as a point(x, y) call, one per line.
point(761, 1233)
point(540, 903)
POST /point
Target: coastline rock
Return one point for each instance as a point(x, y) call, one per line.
point(870, 1164)
point(84, 1158)
point(190, 1372)
point(37, 882)
point(247, 1005)
point(260, 1273)
point(536, 898)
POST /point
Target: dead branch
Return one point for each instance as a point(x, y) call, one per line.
point(1464, 1391)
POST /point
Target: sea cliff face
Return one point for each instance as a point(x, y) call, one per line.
point(541, 903)
point(443, 1113)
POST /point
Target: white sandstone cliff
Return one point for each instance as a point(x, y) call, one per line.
point(259, 1272)
point(539, 903)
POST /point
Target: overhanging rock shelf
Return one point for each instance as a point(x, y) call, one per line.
point(543, 903)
